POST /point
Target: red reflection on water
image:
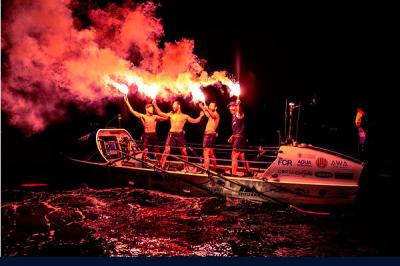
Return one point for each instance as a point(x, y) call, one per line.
point(34, 185)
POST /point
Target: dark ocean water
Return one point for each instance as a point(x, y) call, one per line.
point(84, 214)
point(121, 220)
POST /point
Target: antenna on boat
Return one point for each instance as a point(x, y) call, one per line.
point(119, 117)
point(297, 122)
point(279, 137)
point(289, 138)
point(119, 120)
point(286, 103)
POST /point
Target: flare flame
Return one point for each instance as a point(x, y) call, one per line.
point(52, 61)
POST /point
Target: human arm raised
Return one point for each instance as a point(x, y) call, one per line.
point(161, 118)
point(195, 120)
point(239, 112)
point(135, 113)
point(207, 111)
point(158, 111)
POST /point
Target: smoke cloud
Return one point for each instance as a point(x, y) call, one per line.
point(50, 61)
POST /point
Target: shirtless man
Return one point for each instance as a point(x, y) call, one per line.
point(149, 121)
point(210, 133)
point(238, 137)
point(176, 137)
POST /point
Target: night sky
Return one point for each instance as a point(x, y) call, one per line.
point(341, 53)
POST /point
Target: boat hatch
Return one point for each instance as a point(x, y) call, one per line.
point(110, 147)
point(115, 143)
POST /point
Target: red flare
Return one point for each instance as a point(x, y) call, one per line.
point(51, 62)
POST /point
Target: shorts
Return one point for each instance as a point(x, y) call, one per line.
point(176, 140)
point(239, 143)
point(209, 140)
point(150, 139)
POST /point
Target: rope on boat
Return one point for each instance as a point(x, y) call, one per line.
point(308, 212)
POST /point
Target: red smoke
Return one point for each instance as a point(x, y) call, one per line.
point(50, 62)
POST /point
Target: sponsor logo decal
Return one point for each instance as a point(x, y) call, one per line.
point(248, 194)
point(321, 162)
point(304, 163)
point(296, 172)
point(344, 176)
point(284, 162)
point(323, 174)
point(339, 164)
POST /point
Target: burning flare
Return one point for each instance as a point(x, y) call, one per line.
point(234, 89)
point(121, 87)
point(197, 94)
point(51, 61)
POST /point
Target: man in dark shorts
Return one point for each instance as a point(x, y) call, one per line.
point(210, 133)
point(176, 137)
point(149, 121)
point(238, 138)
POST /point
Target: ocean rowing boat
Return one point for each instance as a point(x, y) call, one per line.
point(293, 174)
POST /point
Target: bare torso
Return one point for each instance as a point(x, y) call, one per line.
point(150, 123)
point(212, 124)
point(178, 121)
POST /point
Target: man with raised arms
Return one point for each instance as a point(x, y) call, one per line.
point(210, 133)
point(238, 137)
point(176, 137)
point(149, 121)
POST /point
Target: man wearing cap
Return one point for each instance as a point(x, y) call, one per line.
point(238, 139)
point(210, 133)
point(149, 121)
point(176, 137)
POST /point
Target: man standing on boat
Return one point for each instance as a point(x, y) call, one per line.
point(210, 133)
point(362, 132)
point(238, 139)
point(176, 137)
point(149, 121)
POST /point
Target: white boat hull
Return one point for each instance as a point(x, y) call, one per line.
point(299, 175)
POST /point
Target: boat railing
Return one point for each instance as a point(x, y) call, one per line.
point(259, 157)
point(217, 159)
point(223, 150)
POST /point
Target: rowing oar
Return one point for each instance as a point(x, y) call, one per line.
point(253, 189)
point(195, 154)
point(155, 167)
point(122, 158)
